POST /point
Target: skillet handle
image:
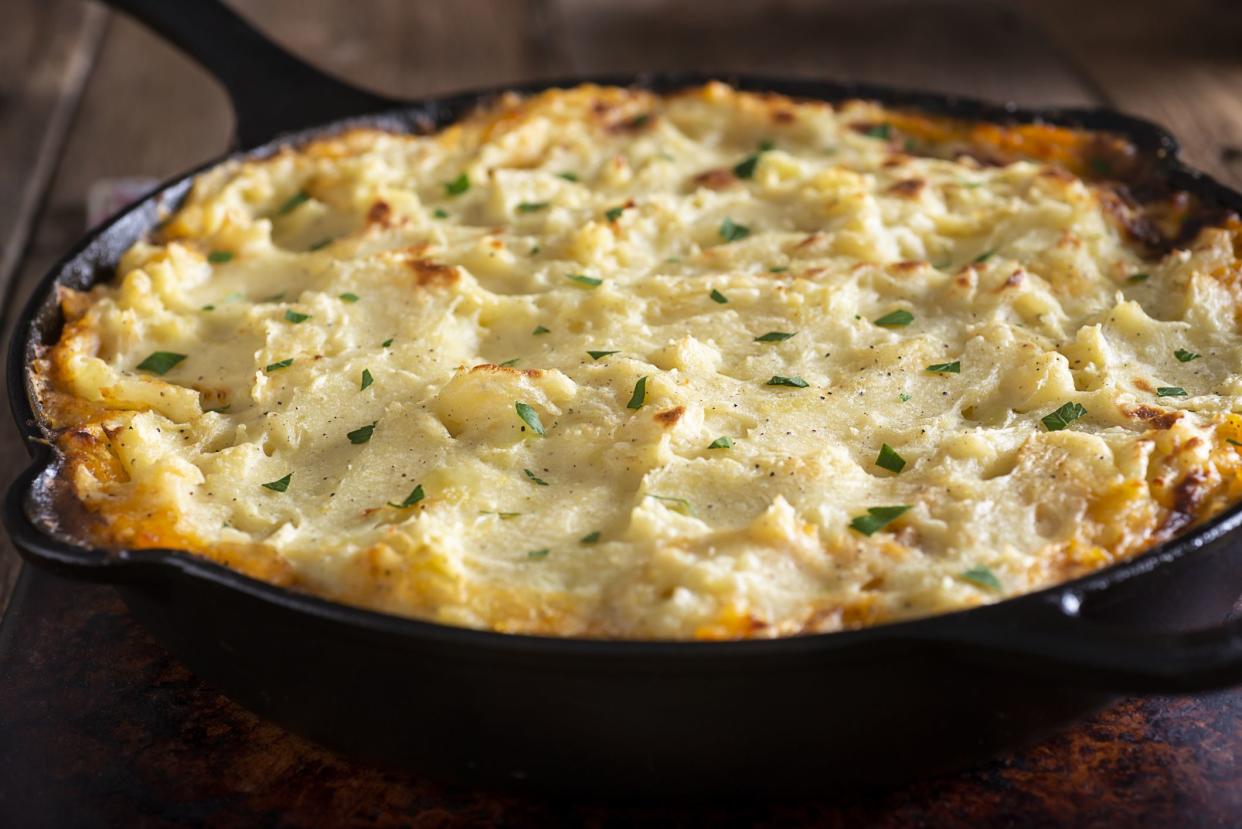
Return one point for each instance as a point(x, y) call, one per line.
point(272, 91)
point(1083, 652)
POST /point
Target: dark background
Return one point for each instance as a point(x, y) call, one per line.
point(99, 726)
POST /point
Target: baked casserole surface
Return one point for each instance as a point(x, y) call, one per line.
point(605, 363)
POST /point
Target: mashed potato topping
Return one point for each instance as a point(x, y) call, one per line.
point(711, 365)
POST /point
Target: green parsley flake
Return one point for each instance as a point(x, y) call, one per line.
point(1063, 417)
point(722, 442)
point(614, 213)
point(680, 505)
point(279, 485)
point(731, 231)
point(509, 363)
point(362, 434)
point(160, 362)
point(876, 519)
point(792, 382)
point(903, 397)
point(386, 342)
point(531, 418)
point(293, 203)
point(882, 131)
point(367, 379)
point(889, 459)
point(537, 554)
point(440, 213)
point(1138, 277)
point(1170, 391)
point(532, 206)
point(278, 366)
point(640, 395)
point(1185, 356)
point(539, 329)
point(209, 307)
point(775, 336)
point(595, 355)
point(954, 367)
point(983, 257)
point(458, 185)
point(294, 317)
point(718, 297)
point(1233, 442)
point(983, 577)
point(746, 167)
point(894, 319)
point(349, 297)
point(321, 244)
point(778, 269)
point(535, 478)
point(568, 176)
point(416, 495)
point(588, 281)
point(589, 538)
point(503, 516)
point(219, 257)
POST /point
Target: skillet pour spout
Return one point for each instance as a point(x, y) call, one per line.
point(864, 707)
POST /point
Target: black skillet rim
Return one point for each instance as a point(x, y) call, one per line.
point(123, 566)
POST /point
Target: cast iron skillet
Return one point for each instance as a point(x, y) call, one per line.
point(808, 713)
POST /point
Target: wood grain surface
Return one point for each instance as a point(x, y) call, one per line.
point(99, 727)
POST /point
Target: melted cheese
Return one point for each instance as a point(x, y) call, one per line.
point(416, 289)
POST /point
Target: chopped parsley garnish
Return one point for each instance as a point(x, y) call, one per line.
point(387, 342)
point(903, 397)
point(1233, 442)
point(640, 394)
point(1170, 391)
point(954, 367)
point(279, 485)
point(293, 203)
point(416, 495)
point(876, 519)
point(503, 516)
point(680, 505)
point(321, 244)
point(746, 167)
point(983, 577)
point(539, 329)
point(985, 256)
point(778, 269)
point(793, 382)
point(1063, 417)
point(595, 355)
point(538, 553)
point(294, 317)
point(894, 319)
point(568, 176)
point(274, 297)
point(209, 307)
point(278, 366)
point(883, 131)
point(159, 362)
point(531, 206)
point(219, 257)
point(589, 538)
point(509, 363)
point(458, 185)
point(535, 478)
point(775, 336)
point(1185, 356)
point(588, 281)
point(531, 418)
point(362, 434)
point(440, 213)
point(614, 213)
point(349, 297)
point(1138, 277)
point(1100, 166)
point(722, 442)
point(718, 297)
point(731, 231)
point(889, 459)
point(367, 379)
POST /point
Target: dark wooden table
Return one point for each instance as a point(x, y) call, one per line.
point(98, 726)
